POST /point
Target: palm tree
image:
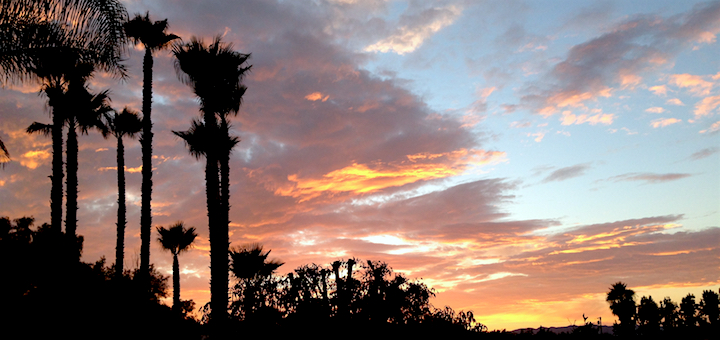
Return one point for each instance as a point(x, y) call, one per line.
point(54, 70)
point(34, 35)
point(29, 28)
point(622, 304)
point(124, 124)
point(154, 37)
point(87, 111)
point(214, 72)
point(176, 240)
point(250, 265)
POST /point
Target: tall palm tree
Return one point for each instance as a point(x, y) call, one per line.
point(176, 240)
point(35, 34)
point(154, 37)
point(86, 112)
point(126, 123)
point(54, 70)
point(214, 72)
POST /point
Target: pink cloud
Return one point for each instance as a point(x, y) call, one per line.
point(663, 122)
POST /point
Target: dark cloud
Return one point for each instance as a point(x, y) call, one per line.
point(704, 153)
point(567, 173)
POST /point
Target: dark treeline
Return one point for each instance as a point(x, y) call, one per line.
point(47, 292)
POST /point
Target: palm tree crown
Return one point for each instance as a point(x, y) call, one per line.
point(30, 28)
point(177, 238)
point(152, 35)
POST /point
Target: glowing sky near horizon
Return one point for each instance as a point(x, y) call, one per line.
point(519, 156)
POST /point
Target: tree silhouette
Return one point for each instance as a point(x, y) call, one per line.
point(86, 112)
point(176, 240)
point(213, 72)
point(710, 307)
point(688, 311)
point(669, 314)
point(126, 123)
point(649, 316)
point(622, 304)
point(154, 37)
point(254, 272)
point(90, 29)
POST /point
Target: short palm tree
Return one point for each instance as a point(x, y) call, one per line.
point(214, 72)
point(126, 123)
point(176, 240)
point(250, 265)
point(154, 37)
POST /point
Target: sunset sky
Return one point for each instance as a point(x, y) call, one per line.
point(519, 156)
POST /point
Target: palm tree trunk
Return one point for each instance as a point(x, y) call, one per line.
point(56, 190)
point(72, 181)
point(176, 284)
point(224, 223)
point(218, 242)
point(120, 247)
point(146, 143)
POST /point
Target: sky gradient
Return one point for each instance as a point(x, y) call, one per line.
point(518, 156)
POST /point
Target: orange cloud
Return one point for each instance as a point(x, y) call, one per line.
point(696, 84)
point(317, 96)
point(362, 179)
point(663, 122)
point(34, 158)
point(137, 169)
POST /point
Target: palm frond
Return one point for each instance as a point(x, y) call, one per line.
point(35, 127)
point(176, 238)
point(92, 29)
point(196, 139)
point(4, 154)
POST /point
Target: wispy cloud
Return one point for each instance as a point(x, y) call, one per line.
point(648, 178)
point(663, 122)
point(704, 153)
point(416, 29)
point(566, 173)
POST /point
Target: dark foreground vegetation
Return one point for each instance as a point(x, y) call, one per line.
point(47, 293)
